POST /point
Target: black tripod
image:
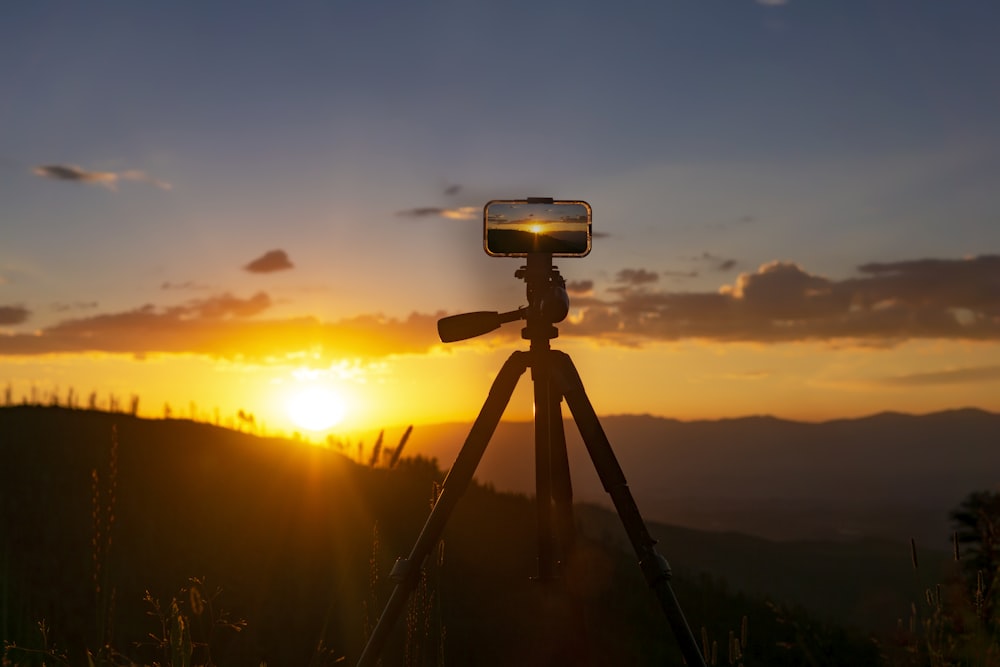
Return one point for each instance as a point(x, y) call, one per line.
point(554, 377)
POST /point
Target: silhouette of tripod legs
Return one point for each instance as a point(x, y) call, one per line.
point(406, 572)
point(553, 488)
point(555, 377)
point(654, 566)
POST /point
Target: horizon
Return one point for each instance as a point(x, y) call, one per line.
point(794, 209)
point(328, 436)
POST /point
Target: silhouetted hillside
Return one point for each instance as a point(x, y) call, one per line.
point(301, 539)
point(885, 476)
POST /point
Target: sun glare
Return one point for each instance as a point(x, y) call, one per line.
point(315, 408)
point(536, 229)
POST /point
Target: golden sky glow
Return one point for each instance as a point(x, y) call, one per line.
point(252, 220)
point(686, 380)
point(778, 340)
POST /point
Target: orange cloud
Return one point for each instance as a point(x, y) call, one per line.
point(952, 376)
point(455, 213)
point(226, 326)
point(13, 314)
point(108, 179)
point(780, 302)
point(890, 302)
point(580, 286)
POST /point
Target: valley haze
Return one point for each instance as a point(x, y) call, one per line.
point(888, 475)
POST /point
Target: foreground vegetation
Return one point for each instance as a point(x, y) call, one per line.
point(130, 541)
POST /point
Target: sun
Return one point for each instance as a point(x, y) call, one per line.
point(536, 229)
point(315, 408)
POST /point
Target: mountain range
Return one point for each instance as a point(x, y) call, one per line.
point(889, 475)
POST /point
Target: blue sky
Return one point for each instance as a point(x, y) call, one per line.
point(712, 138)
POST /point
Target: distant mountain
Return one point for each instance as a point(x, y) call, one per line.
point(887, 475)
point(862, 582)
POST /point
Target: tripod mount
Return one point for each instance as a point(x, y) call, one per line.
point(554, 378)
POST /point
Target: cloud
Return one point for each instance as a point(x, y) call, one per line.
point(230, 327)
point(771, 3)
point(13, 314)
point(718, 263)
point(143, 177)
point(781, 301)
point(458, 213)
point(948, 377)
point(186, 285)
point(79, 305)
point(61, 172)
point(269, 262)
point(636, 276)
point(884, 304)
point(580, 286)
point(225, 306)
point(108, 179)
point(678, 275)
point(452, 190)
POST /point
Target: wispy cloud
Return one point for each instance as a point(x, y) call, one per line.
point(636, 276)
point(458, 213)
point(269, 262)
point(78, 305)
point(945, 377)
point(781, 301)
point(721, 264)
point(680, 275)
point(107, 179)
point(14, 314)
point(186, 285)
point(771, 3)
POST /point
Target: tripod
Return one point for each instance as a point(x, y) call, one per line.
point(554, 377)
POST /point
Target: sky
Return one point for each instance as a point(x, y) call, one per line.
point(215, 207)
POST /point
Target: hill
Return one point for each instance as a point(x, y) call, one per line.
point(98, 508)
point(889, 476)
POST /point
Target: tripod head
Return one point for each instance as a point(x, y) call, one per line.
point(548, 303)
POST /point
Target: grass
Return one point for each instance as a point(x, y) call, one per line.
point(103, 502)
point(951, 624)
point(187, 626)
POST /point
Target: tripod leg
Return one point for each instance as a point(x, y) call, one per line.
point(543, 465)
point(553, 489)
point(654, 566)
point(406, 571)
point(562, 487)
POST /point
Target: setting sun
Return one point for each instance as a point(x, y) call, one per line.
point(315, 408)
point(536, 229)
